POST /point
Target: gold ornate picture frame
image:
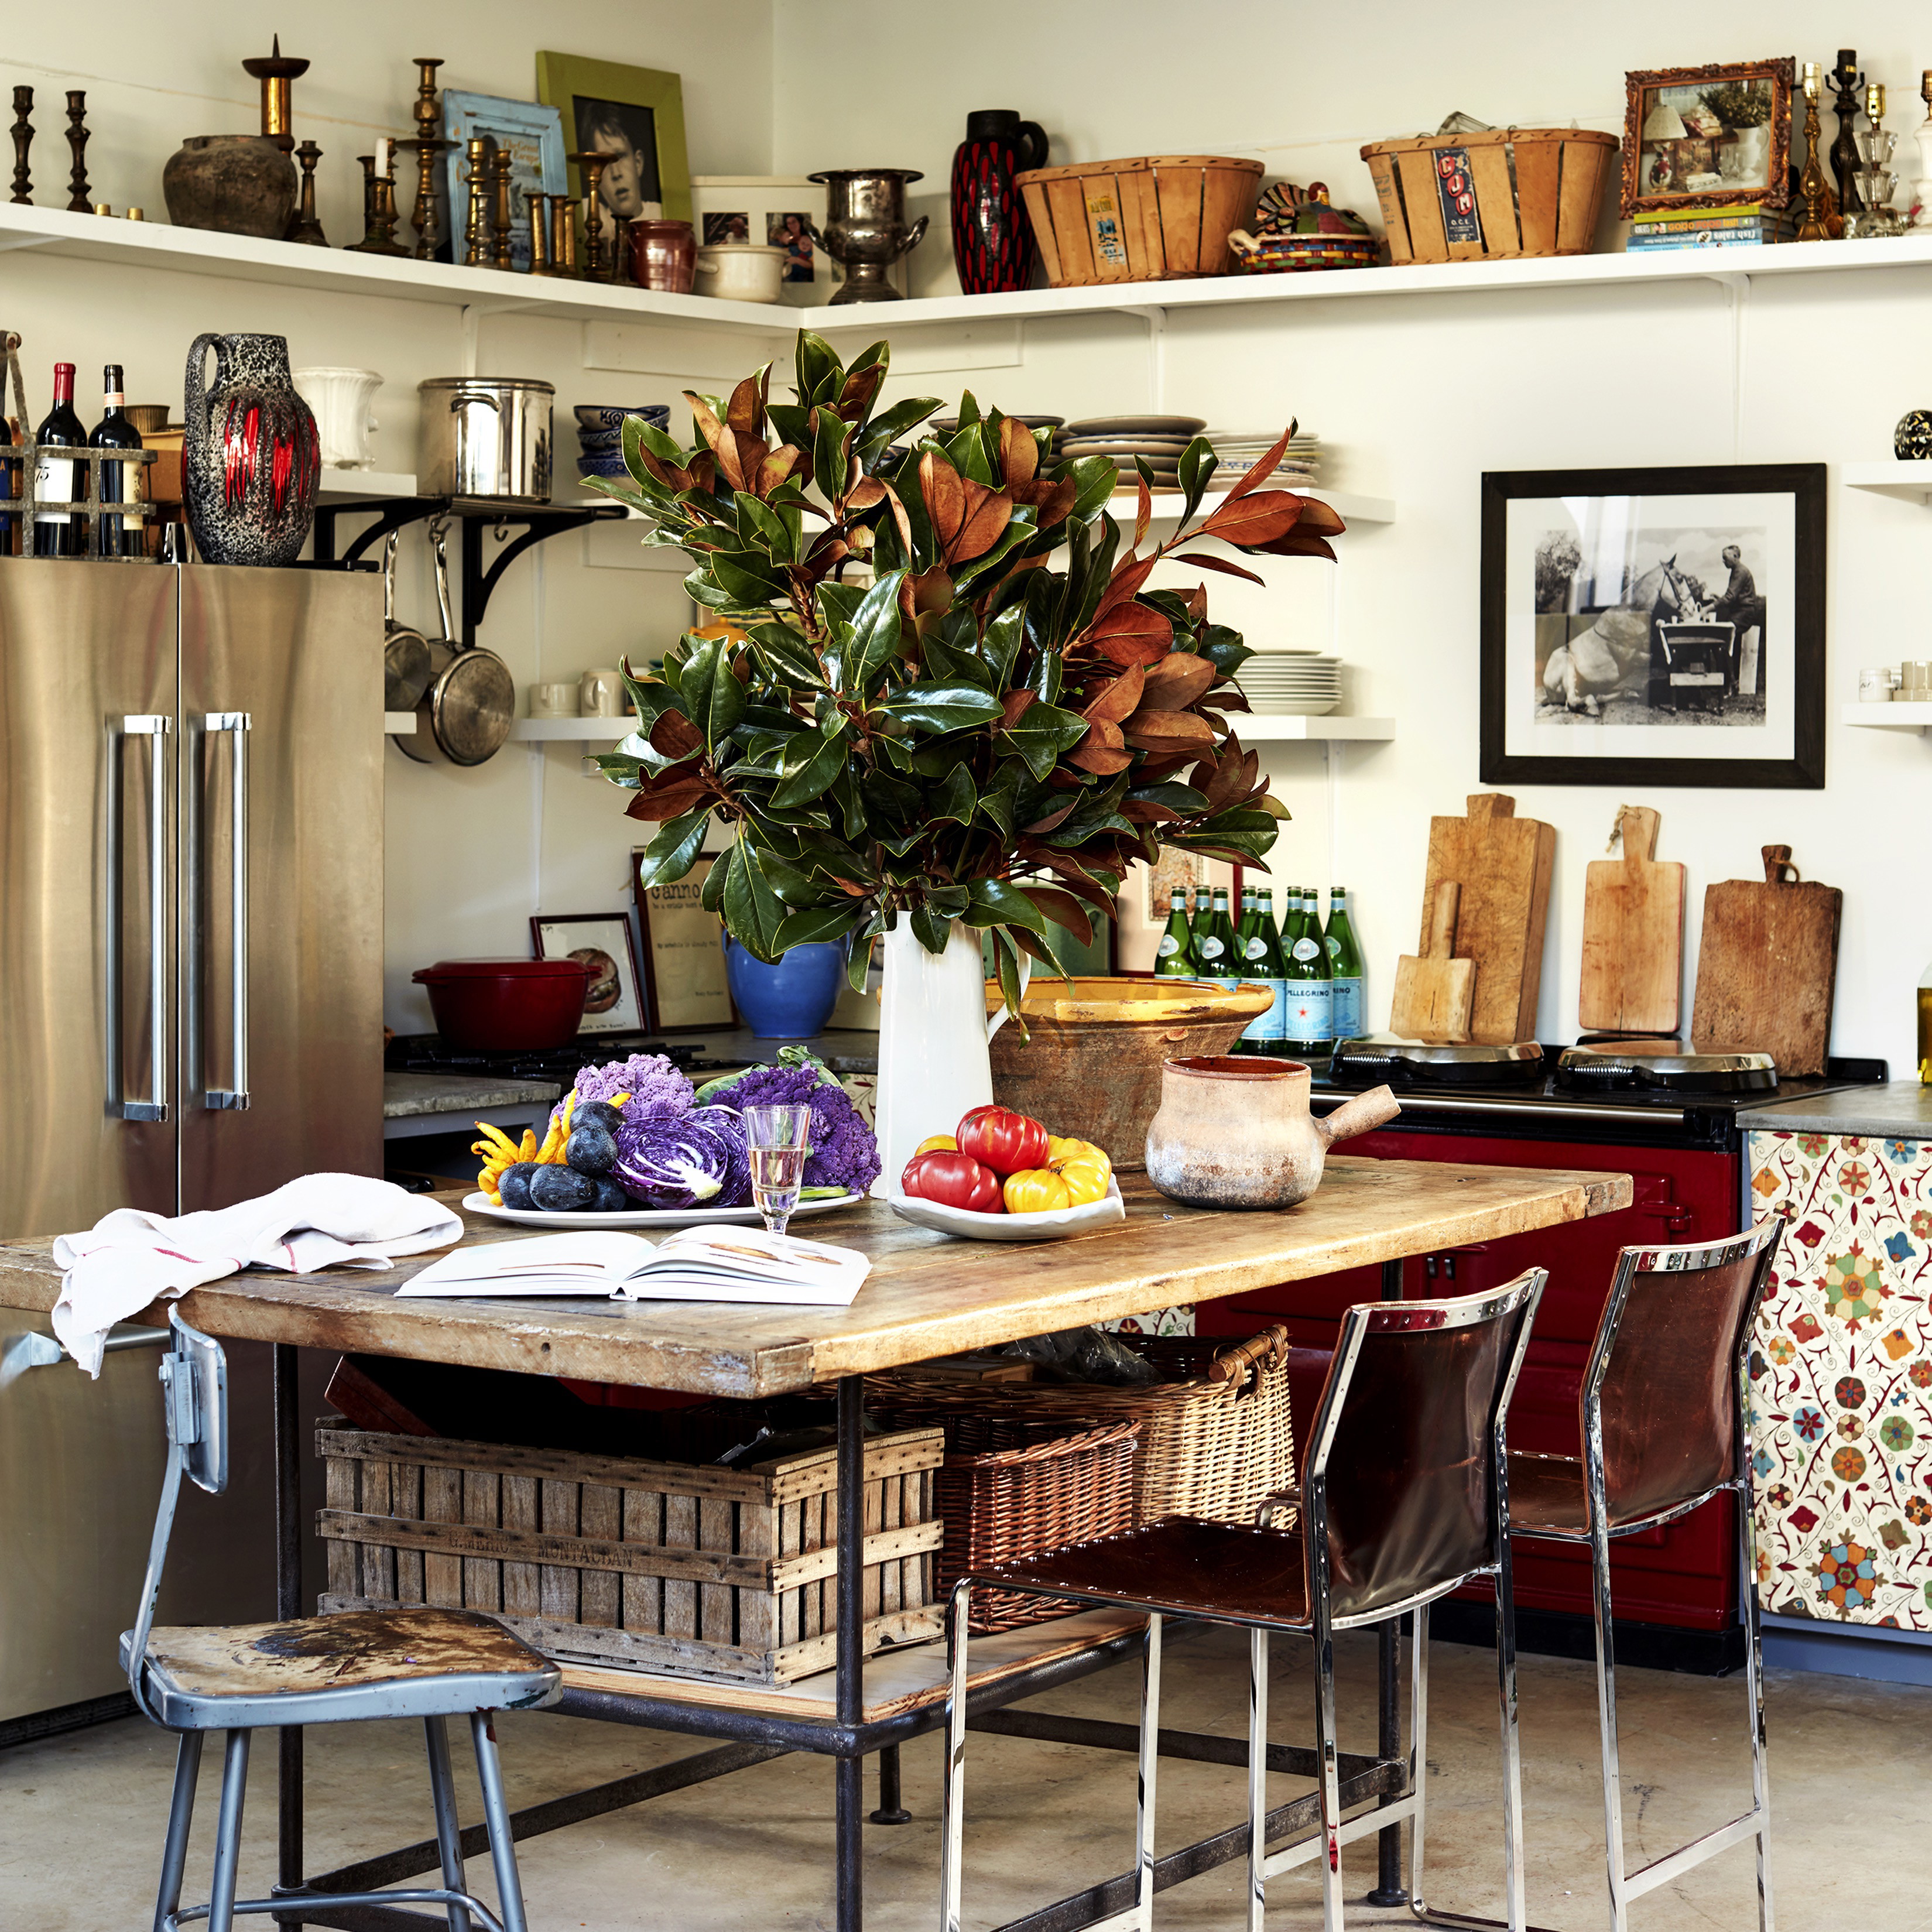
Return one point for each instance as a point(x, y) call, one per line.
point(1708, 137)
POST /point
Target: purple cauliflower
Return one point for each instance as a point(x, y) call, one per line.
point(844, 1150)
point(649, 1079)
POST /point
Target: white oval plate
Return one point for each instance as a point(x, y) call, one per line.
point(1052, 1225)
point(647, 1217)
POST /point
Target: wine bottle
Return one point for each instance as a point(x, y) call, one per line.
point(57, 480)
point(1174, 957)
point(119, 481)
point(1265, 1033)
point(1345, 964)
point(1309, 989)
point(1214, 949)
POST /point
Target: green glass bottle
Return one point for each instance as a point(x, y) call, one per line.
point(1345, 966)
point(1264, 962)
point(1244, 930)
point(1214, 949)
point(1174, 957)
point(1310, 1021)
point(1198, 920)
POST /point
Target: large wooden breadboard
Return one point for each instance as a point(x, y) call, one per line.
point(1503, 864)
point(1633, 980)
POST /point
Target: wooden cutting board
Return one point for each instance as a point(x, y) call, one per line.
point(1767, 967)
point(1504, 864)
point(1633, 936)
point(1435, 995)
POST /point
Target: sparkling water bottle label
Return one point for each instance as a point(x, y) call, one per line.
point(1305, 949)
point(1169, 945)
point(1257, 946)
point(1346, 996)
point(1209, 948)
point(1309, 1010)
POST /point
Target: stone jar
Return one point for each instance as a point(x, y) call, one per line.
point(1237, 1133)
point(235, 184)
point(251, 461)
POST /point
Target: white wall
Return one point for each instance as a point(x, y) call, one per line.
point(1418, 396)
point(471, 854)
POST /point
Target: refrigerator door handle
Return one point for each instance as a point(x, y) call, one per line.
point(157, 726)
point(237, 724)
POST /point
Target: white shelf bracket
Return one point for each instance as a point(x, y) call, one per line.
point(1736, 285)
point(1155, 316)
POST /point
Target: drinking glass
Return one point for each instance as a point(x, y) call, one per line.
point(775, 1137)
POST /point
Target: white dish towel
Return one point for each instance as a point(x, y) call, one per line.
point(131, 1257)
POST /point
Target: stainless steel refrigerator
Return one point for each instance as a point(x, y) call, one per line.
point(191, 1014)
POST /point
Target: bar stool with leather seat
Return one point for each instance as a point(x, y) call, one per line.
point(1404, 1497)
point(412, 1662)
point(1662, 1418)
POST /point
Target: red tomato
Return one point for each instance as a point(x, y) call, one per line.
point(1008, 1142)
point(956, 1179)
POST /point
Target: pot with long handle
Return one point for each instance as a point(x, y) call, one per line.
point(464, 716)
point(406, 666)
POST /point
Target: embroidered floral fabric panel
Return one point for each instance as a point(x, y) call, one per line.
point(1841, 1380)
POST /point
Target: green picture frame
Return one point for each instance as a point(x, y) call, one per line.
point(637, 104)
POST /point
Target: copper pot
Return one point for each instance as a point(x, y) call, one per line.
point(1238, 1133)
point(663, 255)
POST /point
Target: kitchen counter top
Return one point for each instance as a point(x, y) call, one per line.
point(407, 1095)
point(1900, 1109)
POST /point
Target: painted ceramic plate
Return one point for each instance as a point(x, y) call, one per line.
point(648, 1217)
point(1055, 1224)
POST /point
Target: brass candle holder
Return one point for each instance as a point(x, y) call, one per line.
point(1814, 194)
point(592, 163)
point(23, 139)
point(476, 225)
point(500, 162)
point(278, 75)
point(562, 235)
point(379, 213)
point(425, 218)
point(533, 206)
point(78, 202)
point(304, 227)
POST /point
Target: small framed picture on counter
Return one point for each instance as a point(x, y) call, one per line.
point(1655, 626)
point(684, 982)
point(602, 940)
point(1704, 137)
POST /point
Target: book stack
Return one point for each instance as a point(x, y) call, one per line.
point(1744, 224)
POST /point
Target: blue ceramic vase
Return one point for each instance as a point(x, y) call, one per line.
point(790, 1000)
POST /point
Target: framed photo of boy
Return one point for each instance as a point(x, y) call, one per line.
point(1716, 136)
point(635, 115)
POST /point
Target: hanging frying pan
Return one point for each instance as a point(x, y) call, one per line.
point(405, 665)
point(464, 715)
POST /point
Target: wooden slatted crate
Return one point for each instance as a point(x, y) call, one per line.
point(618, 1560)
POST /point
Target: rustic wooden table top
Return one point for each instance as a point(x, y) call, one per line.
point(927, 1295)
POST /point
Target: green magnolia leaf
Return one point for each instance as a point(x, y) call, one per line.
point(859, 961)
point(820, 374)
point(942, 707)
point(637, 495)
point(996, 902)
point(790, 656)
point(1001, 644)
point(1007, 961)
point(713, 895)
point(831, 461)
point(1094, 478)
point(793, 421)
point(1175, 796)
point(674, 850)
point(811, 763)
point(750, 581)
point(838, 603)
point(753, 912)
point(932, 929)
point(813, 925)
point(1044, 732)
point(758, 525)
point(875, 636)
point(954, 797)
point(952, 901)
point(888, 426)
point(1196, 469)
point(701, 590)
point(709, 696)
point(1223, 648)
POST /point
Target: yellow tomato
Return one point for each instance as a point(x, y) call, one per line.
point(1059, 1150)
point(1035, 1190)
point(937, 1143)
point(1085, 1179)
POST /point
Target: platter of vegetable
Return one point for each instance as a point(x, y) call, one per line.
point(647, 1218)
point(1051, 1224)
point(1001, 1176)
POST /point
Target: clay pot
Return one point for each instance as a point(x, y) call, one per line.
point(1091, 1065)
point(237, 184)
point(663, 255)
point(251, 459)
point(1238, 1133)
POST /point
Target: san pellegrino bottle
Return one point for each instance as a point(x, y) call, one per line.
point(1309, 989)
point(1198, 920)
point(1174, 957)
point(55, 479)
point(119, 481)
point(1214, 948)
point(1244, 931)
point(1263, 952)
point(1344, 967)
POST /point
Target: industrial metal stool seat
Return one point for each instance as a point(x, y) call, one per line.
point(1404, 1497)
point(238, 1678)
point(1661, 1412)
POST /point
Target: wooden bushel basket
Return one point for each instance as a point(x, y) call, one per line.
point(1498, 196)
point(1154, 219)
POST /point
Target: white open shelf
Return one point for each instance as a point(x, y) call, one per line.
point(1888, 717)
point(604, 730)
point(1261, 728)
point(400, 724)
point(347, 486)
point(1912, 481)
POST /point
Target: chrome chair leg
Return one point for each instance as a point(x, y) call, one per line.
point(1754, 1685)
point(496, 1817)
point(1607, 1706)
point(1150, 1761)
point(1418, 1760)
point(1328, 1781)
point(952, 1792)
point(181, 1815)
point(228, 1833)
point(442, 1800)
point(1515, 1903)
point(1258, 1739)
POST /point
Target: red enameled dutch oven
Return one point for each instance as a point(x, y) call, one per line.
point(515, 1003)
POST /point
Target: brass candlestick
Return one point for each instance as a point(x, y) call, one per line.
point(425, 218)
point(502, 246)
point(428, 110)
point(305, 228)
point(1813, 192)
point(77, 200)
point(533, 206)
point(278, 76)
point(23, 139)
point(593, 164)
point(620, 264)
point(562, 235)
point(475, 231)
point(379, 213)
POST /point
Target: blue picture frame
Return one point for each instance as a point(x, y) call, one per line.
point(534, 134)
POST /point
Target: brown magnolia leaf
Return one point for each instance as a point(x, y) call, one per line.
point(668, 474)
point(827, 553)
point(1019, 454)
point(703, 473)
point(1145, 811)
point(673, 801)
point(1014, 707)
point(1062, 908)
point(1129, 573)
point(1163, 730)
point(1143, 510)
point(709, 427)
point(1255, 520)
point(1132, 634)
point(1197, 605)
point(1117, 699)
point(1228, 698)
point(1296, 545)
point(1100, 759)
point(925, 598)
point(1053, 502)
point(1176, 681)
point(1319, 519)
point(1078, 883)
point(1221, 564)
point(1041, 826)
point(673, 735)
point(861, 386)
point(1265, 466)
point(745, 411)
point(944, 489)
point(1104, 731)
point(865, 494)
point(775, 468)
point(988, 514)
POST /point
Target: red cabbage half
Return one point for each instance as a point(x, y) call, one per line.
point(696, 1159)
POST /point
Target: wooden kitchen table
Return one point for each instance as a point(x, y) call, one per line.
point(927, 1295)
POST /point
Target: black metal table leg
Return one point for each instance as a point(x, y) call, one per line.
point(288, 1603)
point(1389, 1889)
point(850, 1695)
point(891, 1811)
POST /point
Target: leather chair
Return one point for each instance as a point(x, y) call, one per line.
point(1662, 1416)
point(358, 1664)
point(1404, 1497)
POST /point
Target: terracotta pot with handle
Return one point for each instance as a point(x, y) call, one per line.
point(1238, 1133)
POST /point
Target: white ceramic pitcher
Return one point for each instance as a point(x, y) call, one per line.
point(934, 1030)
point(339, 399)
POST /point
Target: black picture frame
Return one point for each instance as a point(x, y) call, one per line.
point(1803, 770)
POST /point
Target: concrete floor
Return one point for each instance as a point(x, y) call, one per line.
point(81, 1817)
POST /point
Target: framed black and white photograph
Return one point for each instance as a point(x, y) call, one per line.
point(634, 116)
point(1654, 626)
point(533, 134)
point(685, 984)
point(784, 211)
point(602, 940)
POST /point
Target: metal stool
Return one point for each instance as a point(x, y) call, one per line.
point(1403, 1499)
point(1663, 1430)
point(238, 1678)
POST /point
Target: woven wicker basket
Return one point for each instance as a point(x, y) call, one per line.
point(1500, 195)
point(1152, 219)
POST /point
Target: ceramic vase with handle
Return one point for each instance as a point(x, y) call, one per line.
point(992, 239)
point(934, 1033)
point(251, 459)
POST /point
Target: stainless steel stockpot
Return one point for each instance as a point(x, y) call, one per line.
point(485, 436)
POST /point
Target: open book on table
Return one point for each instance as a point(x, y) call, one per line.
point(694, 1264)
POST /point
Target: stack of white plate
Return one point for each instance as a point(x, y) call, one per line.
point(1297, 684)
point(1159, 440)
point(1241, 450)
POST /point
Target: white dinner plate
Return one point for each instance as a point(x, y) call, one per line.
point(1054, 1225)
point(646, 1217)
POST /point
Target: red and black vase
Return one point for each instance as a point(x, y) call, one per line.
point(992, 239)
point(251, 461)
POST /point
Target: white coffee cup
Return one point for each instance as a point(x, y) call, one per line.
point(600, 694)
point(1875, 686)
point(339, 399)
point(552, 701)
point(741, 271)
